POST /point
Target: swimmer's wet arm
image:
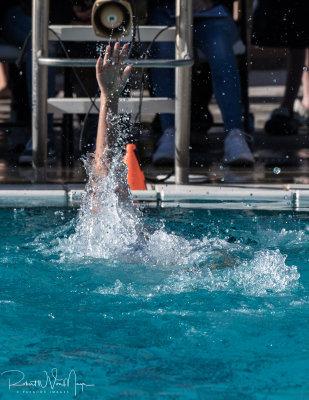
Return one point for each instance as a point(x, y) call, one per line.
point(105, 135)
point(112, 78)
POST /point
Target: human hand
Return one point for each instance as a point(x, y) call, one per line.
point(202, 5)
point(111, 75)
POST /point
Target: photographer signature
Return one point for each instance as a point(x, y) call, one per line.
point(51, 380)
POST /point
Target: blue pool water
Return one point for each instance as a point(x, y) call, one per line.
point(203, 305)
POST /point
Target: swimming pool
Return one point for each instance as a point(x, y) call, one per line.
point(210, 305)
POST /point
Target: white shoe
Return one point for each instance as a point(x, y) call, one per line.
point(301, 112)
point(236, 149)
point(165, 153)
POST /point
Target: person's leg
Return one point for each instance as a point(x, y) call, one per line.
point(89, 88)
point(301, 107)
point(163, 80)
point(305, 80)
point(293, 80)
point(163, 85)
point(16, 27)
point(282, 120)
point(215, 38)
point(5, 91)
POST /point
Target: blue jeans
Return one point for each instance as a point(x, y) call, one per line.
point(16, 27)
point(215, 38)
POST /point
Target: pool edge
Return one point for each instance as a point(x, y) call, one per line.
point(230, 196)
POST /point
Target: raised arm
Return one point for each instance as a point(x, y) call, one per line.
point(112, 78)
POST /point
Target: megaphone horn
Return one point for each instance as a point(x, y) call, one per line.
point(111, 18)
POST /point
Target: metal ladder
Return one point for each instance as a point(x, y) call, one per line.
point(183, 62)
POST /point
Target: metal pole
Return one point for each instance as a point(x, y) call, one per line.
point(184, 44)
point(40, 16)
point(90, 62)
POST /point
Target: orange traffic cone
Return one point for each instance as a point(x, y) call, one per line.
point(136, 178)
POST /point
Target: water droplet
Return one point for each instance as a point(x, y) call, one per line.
point(277, 170)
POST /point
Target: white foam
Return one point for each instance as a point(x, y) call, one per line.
point(265, 274)
point(110, 227)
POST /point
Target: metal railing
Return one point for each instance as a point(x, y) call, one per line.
point(40, 62)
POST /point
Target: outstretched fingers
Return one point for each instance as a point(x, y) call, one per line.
point(112, 74)
point(107, 55)
point(99, 65)
point(115, 55)
point(124, 53)
point(126, 74)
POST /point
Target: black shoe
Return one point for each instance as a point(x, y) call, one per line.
point(282, 122)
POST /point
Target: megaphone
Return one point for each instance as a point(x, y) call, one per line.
point(111, 18)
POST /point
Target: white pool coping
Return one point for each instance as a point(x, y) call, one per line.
point(260, 197)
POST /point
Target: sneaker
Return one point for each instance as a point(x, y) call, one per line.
point(26, 156)
point(236, 149)
point(165, 153)
point(301, 112)
point(282, 122)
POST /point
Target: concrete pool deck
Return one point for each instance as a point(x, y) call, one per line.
point(291, 197)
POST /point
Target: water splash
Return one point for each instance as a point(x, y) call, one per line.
point(109, 224)
point(265, 274)
point(111, 227)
